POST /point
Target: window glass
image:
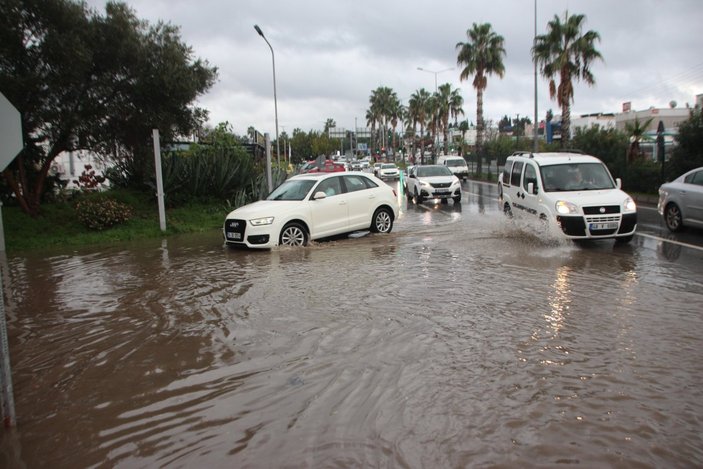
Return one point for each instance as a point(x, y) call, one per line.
point(357, 183)
point(530, 176)
point(506, 172)
point(695, 178)
point(292, 189)
point(515, 175)
point(330, 187)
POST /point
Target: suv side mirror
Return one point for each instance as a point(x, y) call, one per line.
point(618, 183)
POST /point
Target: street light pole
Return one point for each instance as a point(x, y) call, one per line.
point(275, 101)
point(435, 91)
point(534, 130)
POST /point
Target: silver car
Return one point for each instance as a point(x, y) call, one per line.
point(681, 201)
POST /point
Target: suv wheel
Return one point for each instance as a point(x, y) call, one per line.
point(382, 221)
point(293, 234)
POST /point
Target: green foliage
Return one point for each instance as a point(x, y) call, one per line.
point(23, 232)
point(100, 83)
point(688, 154)
point(100, 213)
point(609, 145)
point(217, 168)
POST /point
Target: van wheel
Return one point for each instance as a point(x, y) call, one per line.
point(506, 210)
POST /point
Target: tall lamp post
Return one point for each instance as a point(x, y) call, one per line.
point(275, 102)
point(435, 90)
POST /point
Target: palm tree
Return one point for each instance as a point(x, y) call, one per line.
point(566, 53)
point(418, 112)
point(397, 113)
point(463, 127)
point(449, 104)
point(480, 57)
point(636, 131)
point(372, 118)
point(383, 102)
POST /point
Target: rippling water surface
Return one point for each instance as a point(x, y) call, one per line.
point(453, 342)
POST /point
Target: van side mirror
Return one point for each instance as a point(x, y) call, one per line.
point(618, 183)
point(531, 188)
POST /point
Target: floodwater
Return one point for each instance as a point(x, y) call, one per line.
point(456, 341)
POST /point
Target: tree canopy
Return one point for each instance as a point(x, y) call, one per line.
point(100, 83)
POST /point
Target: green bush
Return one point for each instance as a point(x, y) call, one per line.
point(100, 213)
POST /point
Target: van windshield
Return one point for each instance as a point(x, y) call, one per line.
point(576, 177)
point(455, 162)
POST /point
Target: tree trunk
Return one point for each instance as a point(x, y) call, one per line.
point(565, 123)
point(479, 130)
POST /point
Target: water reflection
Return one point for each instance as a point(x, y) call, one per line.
point(451, 342)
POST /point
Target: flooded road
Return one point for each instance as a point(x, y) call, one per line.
point(459, 340)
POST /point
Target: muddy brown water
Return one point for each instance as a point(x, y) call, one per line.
point(452, 342)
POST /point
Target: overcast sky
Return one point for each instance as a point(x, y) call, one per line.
point(330, 55)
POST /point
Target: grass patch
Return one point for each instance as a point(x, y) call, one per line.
point(58, 223)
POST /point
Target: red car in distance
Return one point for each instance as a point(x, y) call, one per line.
point(329, 166)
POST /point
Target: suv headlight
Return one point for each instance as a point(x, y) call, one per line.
point(566, 208)
point(629, 205)
point(261, 221)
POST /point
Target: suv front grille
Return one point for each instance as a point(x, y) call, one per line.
point(440, 185)
point(234, 230)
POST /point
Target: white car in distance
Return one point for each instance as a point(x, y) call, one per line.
point(432, 181)
point(313, 206)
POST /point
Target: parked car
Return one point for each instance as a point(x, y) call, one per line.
point(571, 191)
point(313, 206)
point(432, 181)
point(388, 171)
point(681, 201)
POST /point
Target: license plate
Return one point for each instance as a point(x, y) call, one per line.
point(235, 236)
point(602, 226)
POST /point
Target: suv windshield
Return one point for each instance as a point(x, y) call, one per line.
point(292, 189)
point(429, 171)
point(576, 177)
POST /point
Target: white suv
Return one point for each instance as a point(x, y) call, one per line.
point(571, 190)
point(432, 181)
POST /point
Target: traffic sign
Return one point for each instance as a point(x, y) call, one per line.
point(10, 132)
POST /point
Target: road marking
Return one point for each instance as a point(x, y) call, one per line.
point(657, 238)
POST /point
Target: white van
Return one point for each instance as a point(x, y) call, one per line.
point(456, 165)
point(572, 191)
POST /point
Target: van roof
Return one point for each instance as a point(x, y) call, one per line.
point(553, 158)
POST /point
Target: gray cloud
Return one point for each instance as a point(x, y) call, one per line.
point(331, 55)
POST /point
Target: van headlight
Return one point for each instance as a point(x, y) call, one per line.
point(566, 208)
point(629, 205)
point(261, 221)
